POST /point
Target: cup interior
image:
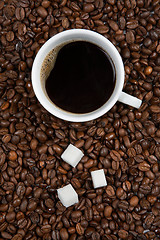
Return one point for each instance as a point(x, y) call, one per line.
point(52, 47)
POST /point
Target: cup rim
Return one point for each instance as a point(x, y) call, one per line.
point(51, 107)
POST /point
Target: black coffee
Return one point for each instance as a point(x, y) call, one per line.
point(83, 78)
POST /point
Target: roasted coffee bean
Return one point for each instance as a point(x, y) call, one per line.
point(17, 237)
point(96, 236)
point(107, 211)
point(89, 7)
point(126, 186)
point(12, 156)
point(115, 155)
point(110, 191)
point(10, 36)
point(102, 29)
point(22, 29)
point(34, 217)
point(126, 52)
point(76, 214)
point(79, 229)
point(123, 234)
point(88, 213)
point(55, 235)
point(134, 201)
point(113, 25)
point(10, 217)
point(64, 234)
point(20, 13)
point(41, 136)
point(42, 11)
point(22, 223)
point(119, 192)
point(130, 38)
point(6, 235)
point(132, 24)
point(75, 183)
point(144, 166)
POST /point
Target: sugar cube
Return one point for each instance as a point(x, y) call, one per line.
point(67, 195)
point(98, 178)
point(72, 155)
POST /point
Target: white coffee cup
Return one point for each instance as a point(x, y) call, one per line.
point(56, 42)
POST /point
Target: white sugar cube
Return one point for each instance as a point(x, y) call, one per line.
point(72, 155)
point(67, 195)
point(98, 178)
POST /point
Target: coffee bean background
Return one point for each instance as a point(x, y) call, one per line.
point(125, 141)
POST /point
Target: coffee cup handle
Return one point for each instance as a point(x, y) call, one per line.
point(129, 100)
